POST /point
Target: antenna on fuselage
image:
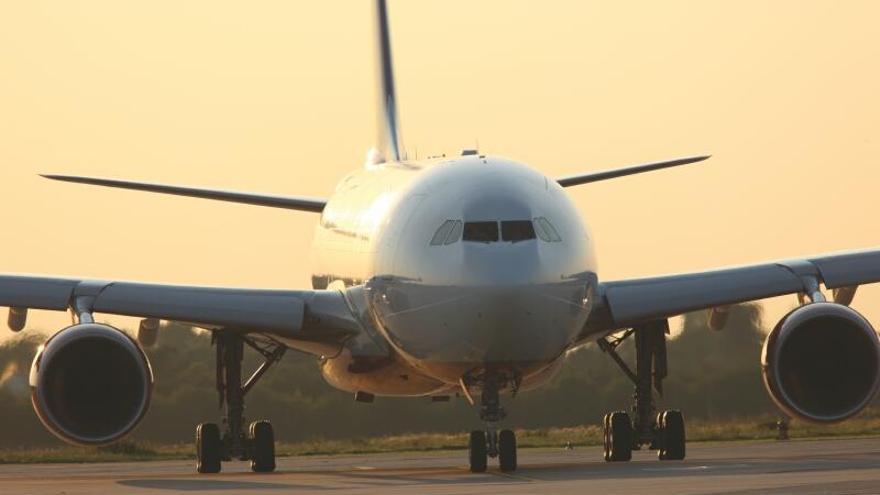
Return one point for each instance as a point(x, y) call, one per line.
point(388, 147)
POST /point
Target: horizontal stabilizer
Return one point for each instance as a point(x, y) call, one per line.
point(287, 202)
point(574, 180)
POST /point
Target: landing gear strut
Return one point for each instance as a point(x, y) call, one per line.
point(257, 443)
point(662, 432)
point(491, 442)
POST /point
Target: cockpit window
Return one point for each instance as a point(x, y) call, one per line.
point(455, 233)
point(451, 231)
point(481, 231)
point(517, 230)
point(442, 233)
point(546, 231)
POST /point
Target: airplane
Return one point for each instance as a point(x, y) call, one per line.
point(470, 276)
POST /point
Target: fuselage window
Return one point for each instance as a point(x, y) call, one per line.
point(481, 231)
point(517, 230)
point(546, 231)
point(442, 233)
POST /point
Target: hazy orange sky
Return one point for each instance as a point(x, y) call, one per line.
point(277, 96)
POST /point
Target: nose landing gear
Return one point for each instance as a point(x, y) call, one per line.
point(491, 442)
point(664, 432)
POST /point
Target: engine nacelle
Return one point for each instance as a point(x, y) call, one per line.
point(821, 363)
point(90, 384)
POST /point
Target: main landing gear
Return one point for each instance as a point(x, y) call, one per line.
point(663, 432)
point(257, 444)
point(491, 442)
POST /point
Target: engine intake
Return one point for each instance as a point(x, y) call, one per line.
point(821, 363)
point(90, 384)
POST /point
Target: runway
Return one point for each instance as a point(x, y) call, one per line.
point(744, 468)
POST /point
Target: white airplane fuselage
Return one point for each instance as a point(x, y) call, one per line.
point(453, 307)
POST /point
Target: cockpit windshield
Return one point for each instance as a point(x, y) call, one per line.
point(517, 230)
point(480, 231)
point(486, 231)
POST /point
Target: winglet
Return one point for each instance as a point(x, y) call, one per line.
point(287, 202)
point(574, 180)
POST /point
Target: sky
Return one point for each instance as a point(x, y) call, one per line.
point(278, 97)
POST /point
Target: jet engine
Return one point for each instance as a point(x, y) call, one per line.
point(90, 384)
point(821, 363)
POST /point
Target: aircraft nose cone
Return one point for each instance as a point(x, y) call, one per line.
point(481, 322)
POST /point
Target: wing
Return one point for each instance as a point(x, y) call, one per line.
point(301, 203)
point(321, 317)
point(575, 180)
point(624, 303)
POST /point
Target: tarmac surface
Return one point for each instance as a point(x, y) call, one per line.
point(743, 468)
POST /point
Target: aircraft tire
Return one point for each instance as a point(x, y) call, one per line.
point(672, 436)
point(262, 439)
point(208, 448)
point(507, 451)
point(619, 435)
point(477, 452)
point(606, 444)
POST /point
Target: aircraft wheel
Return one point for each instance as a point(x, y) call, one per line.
point(263, 447)
point(477, 451)
point(618, 437)
point(507, 450)
point(672, 437)
point(208, 447)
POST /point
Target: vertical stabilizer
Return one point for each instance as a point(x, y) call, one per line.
point(389, 145)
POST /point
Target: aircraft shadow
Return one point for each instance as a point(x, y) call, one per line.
point(208, 485)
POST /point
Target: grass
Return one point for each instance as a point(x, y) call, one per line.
point(761, 428)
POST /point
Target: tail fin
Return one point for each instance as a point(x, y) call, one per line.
point(389, 144)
